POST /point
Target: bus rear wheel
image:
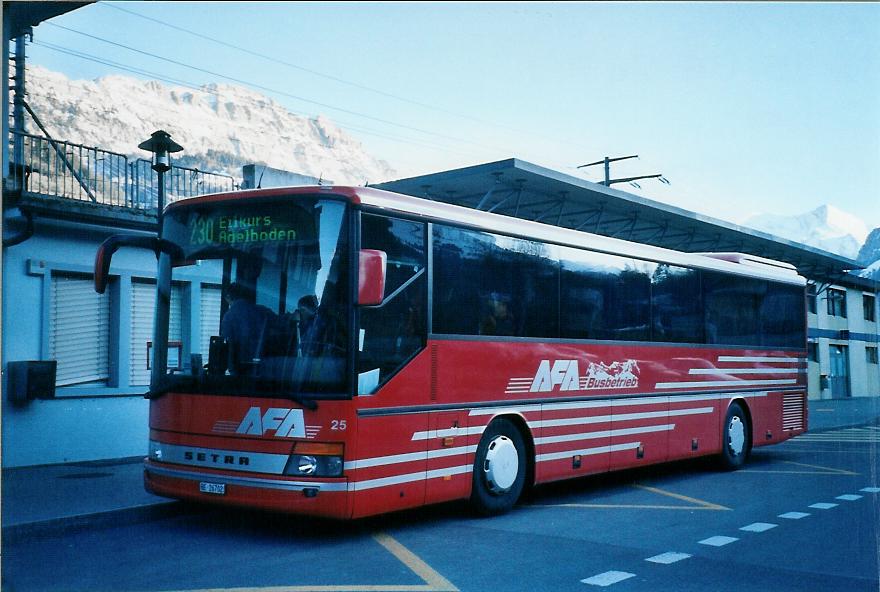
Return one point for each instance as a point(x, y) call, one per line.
point(736, 438)
point(499, 469)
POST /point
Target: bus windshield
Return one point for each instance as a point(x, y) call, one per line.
point(270, 316)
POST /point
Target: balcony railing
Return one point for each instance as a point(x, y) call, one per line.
point(45, 167)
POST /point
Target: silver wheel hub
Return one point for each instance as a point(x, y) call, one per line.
point(501, 465)
point(736, 436)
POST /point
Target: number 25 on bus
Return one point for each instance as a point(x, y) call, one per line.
point(346, 351)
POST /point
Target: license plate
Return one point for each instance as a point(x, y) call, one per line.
point(214, 488)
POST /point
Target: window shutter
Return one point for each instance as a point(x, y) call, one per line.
point(143, 307)
point(79, 331)
point(210, 321)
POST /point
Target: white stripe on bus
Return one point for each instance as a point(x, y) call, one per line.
point(408, 478)
point(586, 451)
point(604, 434)
point(756, 359)
point(394, 459)
point(735, 383)
point(658, 400)
point(445, 433)
point(744, 371)
point(619, 417)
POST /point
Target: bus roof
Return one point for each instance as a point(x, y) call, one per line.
point(396, 203)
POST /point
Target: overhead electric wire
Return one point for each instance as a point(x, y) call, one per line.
point(271, 90)
point(194, 86)
point(336, 78)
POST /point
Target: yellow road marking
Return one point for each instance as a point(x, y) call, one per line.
point(434, 582)
point(697, 503)
point(412, 561)
point(820, 471)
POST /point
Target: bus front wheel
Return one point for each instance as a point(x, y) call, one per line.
point(499, 469)
point(736, 438)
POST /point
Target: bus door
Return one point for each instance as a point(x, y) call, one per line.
point(393, 376)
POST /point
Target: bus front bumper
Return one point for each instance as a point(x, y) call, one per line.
point(326, 497)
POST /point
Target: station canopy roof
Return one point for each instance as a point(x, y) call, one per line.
point(517, 188)
point(20, 16)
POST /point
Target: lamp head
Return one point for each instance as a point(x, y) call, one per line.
point(161, 145)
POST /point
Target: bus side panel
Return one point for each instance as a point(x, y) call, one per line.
point(388, 471)
point(450, 457)
point(778, 416)
point(697, 426)
point(573, 440)
point(641, 432)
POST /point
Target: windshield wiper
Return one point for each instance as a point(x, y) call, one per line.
point(166, 386)
point(228, 386)
point(310, 404)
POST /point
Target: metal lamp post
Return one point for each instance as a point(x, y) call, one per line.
point(162, 146)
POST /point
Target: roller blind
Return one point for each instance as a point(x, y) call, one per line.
point(209, 322)
point(143, 305)
point(79, 331)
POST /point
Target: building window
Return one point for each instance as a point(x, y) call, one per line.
point(871, 354)
point(143, 308)
point(836, 300)
point(79, 331)
point(811, 298)
point(870, 305)
point(812, 351)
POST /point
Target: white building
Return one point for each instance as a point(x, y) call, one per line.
point(842, 340)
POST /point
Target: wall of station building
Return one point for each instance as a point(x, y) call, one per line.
point(843, 343)
point(101, 344)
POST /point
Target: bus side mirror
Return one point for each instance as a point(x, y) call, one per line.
point(112, 244)
point(371, 277)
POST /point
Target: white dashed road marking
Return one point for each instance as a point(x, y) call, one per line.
point(608, 578)
point(758, 527)
point(794, 515)
point(667, 558)
point(718, 541)
point(870, 489)
point(849, 497)
point(823, 506)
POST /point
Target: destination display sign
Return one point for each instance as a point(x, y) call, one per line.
point(220, 226)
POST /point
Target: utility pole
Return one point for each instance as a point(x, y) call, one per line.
point(609, 181)
point(18, 107)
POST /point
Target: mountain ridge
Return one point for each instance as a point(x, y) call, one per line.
point(220, 126)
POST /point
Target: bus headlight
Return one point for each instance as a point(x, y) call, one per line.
point(315, 460)
point(155, 450)
point(306, 465)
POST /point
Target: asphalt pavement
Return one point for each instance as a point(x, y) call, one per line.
point(68, 496)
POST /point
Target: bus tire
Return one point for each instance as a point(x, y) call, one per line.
point(736, 438)
point(500, 469)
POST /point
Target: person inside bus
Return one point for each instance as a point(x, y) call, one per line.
point(316, 332)
point(246, 325)
point(498, 319)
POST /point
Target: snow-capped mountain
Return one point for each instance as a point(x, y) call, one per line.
point(869, 255)
point(221, 127)
point(826, 228)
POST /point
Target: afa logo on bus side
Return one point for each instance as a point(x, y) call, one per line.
point(566, 375)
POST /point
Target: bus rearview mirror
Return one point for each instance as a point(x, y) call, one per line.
point(371, 277)
point(113, 243)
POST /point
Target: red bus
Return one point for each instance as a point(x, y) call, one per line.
point(345, 351)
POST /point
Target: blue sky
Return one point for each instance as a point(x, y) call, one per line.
point(744, 107)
